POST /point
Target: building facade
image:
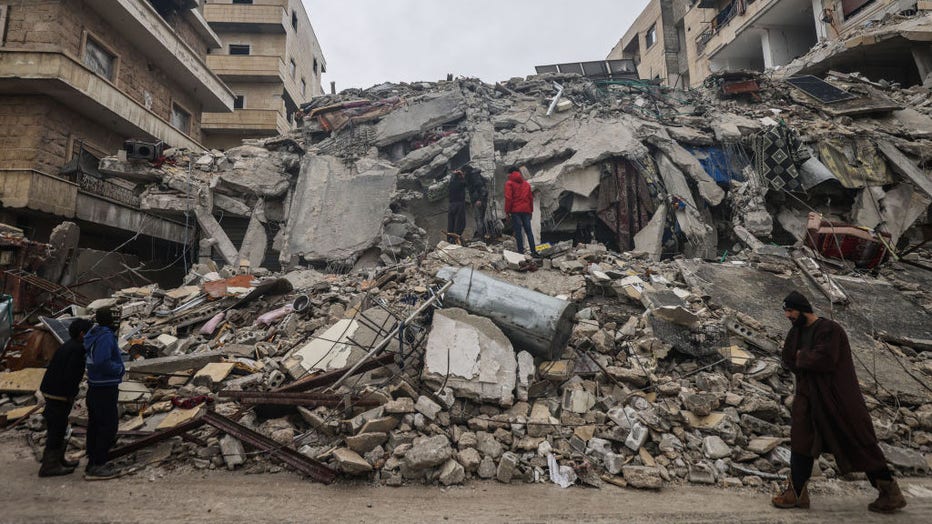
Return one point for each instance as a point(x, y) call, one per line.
point(682, 42)
point(77, 78)
point(272, 61)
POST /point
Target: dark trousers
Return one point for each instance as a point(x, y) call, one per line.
point(102, 422)
point(481, 226)
point(522, 222)
point(56, 421)
point(801, 470)
point(456, 218)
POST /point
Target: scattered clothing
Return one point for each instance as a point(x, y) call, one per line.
point(777, 154)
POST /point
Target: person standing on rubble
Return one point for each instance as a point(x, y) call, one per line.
point(104, 373)
point(479, 196)
point(456, 207)
point(59, 388)
point(519, 205)
point(829, 413)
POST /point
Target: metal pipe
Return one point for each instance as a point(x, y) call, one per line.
point(533, 321)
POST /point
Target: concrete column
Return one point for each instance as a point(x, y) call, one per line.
point(820, 29)
point(775, 47)
point(923, 57)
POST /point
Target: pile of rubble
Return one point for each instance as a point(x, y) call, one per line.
point(595, 367)
point(647, 351)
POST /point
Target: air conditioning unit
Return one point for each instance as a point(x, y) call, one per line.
point(142, 150)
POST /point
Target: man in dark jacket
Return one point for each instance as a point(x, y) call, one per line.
point(104, 374)
point(456, 206)
point(829, 413)
point(59, 388)
point(519, 205)
point(479, 196)
point(463, 180)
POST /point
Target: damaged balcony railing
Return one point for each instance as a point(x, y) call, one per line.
point(109, 190)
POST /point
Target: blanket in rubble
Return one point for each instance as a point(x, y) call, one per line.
point(777, 153)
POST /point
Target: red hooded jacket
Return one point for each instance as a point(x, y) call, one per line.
point(518, 195)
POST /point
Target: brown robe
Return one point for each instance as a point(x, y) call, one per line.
point(829, 414)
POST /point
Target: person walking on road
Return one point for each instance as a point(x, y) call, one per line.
point(519, 205)
point(828, 412)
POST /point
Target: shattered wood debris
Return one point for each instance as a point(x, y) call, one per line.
point(645, 352)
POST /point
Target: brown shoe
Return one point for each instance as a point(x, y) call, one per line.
point(891, 498)
point(789, 499)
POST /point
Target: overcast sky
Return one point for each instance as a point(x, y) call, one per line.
point(367, 42)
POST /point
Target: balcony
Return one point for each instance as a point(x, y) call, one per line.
point(61, 77)
point(247, 18)
point(259, 121)
point(139, 22)
point(248, 68)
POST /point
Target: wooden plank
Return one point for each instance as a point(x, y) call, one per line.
point(23, 381)
point(904, 166)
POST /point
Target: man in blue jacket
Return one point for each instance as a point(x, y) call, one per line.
point(104, 374)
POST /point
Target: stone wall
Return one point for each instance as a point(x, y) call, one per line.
point(63, 26)
point(36, 132)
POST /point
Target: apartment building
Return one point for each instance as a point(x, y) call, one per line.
point(682, 42)
point(272, 61)
point(77, 78)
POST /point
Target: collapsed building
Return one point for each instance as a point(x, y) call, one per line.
point(328, 326)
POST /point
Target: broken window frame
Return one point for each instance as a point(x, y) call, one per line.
point(852, 8)
point(239, 102)
point(650, 36)
point(239, 48)
point(177, 111)
point(92, 44)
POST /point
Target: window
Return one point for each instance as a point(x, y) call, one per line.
point(293, 68)
point(181, 119)
point(242, 1)
point(99, 59)
point(651, 37)
point(239, 49)
point(315, 65)
point(239, 102)
point(303, 87)
point(294, 20)
point(850, 8)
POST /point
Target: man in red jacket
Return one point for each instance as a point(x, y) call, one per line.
point(519, 204)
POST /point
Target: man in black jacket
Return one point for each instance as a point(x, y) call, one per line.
point(462, 180)
point(59, 387)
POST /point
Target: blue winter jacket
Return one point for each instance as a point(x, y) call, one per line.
point(104, 363)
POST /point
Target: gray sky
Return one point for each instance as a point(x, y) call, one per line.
point(367, 42)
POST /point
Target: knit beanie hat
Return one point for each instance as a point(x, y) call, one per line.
point(797, 301)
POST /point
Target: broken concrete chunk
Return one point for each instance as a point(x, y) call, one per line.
point(233, 452)
point(642, 477)
point(507, 467)
point(471, 356)
point(419, 117)
point(427, 407)
point(350, 462)
point(428, 452)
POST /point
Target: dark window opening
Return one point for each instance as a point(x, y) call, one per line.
point(99, 59)
point(239, 49)
point(239, 102)
point(852, 7)
point(294, 20)
point(242, 1)
point(651, 37)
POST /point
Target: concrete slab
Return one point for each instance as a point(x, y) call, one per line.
point(472, 356)
point(410, 121)
point(874, 306)
point(337, 210)
point(22, 381)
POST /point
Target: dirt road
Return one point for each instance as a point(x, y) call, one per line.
point(154, 495)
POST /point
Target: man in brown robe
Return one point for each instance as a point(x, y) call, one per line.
point(829, 413)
